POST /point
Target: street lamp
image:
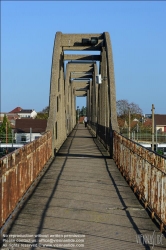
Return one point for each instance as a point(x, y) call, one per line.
point(156, 138)
point(152, 126)
point(12, 137)
point(137, 132)
point(129, 123)
point(78, 113)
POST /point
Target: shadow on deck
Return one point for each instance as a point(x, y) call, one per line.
point(83, 201)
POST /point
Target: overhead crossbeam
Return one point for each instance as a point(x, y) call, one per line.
point(80, 93)
point(81, 75)
point(82, 57)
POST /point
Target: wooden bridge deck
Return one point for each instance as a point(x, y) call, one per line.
point(84, 198)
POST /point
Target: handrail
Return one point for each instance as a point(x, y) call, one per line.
point(145, 171)
point(19, 169)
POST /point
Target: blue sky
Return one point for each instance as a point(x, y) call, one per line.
point(138, 35)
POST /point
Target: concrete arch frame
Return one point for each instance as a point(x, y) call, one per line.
point(78, 78)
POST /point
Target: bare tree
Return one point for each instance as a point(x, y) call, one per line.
point(123, 107)
point(135, 109)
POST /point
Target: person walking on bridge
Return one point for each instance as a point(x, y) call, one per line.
point(85, 121)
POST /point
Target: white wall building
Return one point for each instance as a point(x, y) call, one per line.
point(27, 113)
point(27, 130)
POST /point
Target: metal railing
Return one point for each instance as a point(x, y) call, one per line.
point(145, 172)
point(19, 169)
point(159, 137)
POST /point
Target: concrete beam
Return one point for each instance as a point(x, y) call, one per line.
point(82, 85)
point(78, 48)
point(80, 75)
point(81, 67)
point(80, 93)
point(81, 90)
point(81, 82)
point(82, 57)
point(76, 39)
point(77, 63)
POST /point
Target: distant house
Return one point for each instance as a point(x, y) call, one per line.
point(18, 113)
point(27, 113)
point(148, 116)
point(1, 117)
point(147, 123)
point(16, 110)
point(160, 122)
point(23, 113)
point(27, 130)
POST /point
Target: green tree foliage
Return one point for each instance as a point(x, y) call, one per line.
point(43, 114)
point(45, 110)
point(83, 111)
point(5, 128)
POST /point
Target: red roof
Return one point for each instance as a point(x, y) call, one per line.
point(160, 120)
point(16, 110)
point(148, 123)
point(12, 117)
point(24, 125)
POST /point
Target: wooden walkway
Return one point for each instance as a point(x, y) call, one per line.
point(83, 202)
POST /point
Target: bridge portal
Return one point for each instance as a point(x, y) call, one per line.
point(76, 75)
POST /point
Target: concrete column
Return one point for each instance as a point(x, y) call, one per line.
point(53, 116)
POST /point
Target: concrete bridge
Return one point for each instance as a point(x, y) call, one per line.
point(78, 187)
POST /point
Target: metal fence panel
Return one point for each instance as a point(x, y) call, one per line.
point(19, 169)
point(145, 171)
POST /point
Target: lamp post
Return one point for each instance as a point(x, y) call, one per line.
point(137, 131)
point(156, 139)
point(30, 134)
point(153, 126)
point(129, 124)
point(12, 137)
point(78, 114)
point(6, 132)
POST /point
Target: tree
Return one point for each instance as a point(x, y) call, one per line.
point(123, 107)
point(5, 130)
point(43, 114)
point(135, 109)
point(45, 110)
point(82, 111)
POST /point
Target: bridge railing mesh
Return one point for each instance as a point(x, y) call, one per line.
point(145, 172)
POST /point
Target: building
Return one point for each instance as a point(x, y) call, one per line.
point(160, 122)
point(18, 113)
point(23, 113)
point(27, 130)
point(27, 113)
